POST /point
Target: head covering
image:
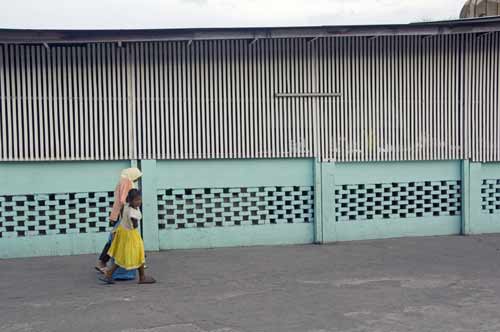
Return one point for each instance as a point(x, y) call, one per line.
point(127, 182)
point(133, 174)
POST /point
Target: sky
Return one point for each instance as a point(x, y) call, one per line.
point(135, 14)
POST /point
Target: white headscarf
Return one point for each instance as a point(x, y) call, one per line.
point(133, 174)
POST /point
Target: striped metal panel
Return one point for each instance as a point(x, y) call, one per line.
point(63, 103)
point(481, 95)
point(216, 99)
point(400, 98)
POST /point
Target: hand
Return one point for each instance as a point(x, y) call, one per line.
point(112, 222)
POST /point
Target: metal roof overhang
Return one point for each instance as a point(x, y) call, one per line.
point(32, 36)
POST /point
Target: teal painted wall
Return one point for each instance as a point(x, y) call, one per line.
point(55, 208)
point(365, 189)
point(241, 173)
point(484, 207)
point(238, 236)
point(198, 187)
point(59, 177)
point(52, 245)
point(41, 200)
point(149, 185)
point(61, 208)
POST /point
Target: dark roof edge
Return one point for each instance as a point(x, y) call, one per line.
point(23, 36)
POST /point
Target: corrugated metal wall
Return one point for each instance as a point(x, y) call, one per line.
point(216, 99)
point(64, 103)
point(481, 96)
point(401, 98)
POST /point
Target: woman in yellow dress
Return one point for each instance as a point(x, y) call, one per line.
point(127, 248)
point(128, 178)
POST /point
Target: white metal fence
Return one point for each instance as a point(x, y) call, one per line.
point(399, 98)
point(64, 103)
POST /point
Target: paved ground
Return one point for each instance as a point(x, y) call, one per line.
point(427, 284)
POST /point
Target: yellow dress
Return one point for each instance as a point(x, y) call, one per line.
point(127, 248)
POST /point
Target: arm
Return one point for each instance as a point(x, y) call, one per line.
point(135, 216)
point(123, 190)
point(120, 199)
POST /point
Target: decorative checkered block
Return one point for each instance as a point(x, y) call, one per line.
point(356, 202)
point(219, 207)
point(490, 196)
point(49, 214)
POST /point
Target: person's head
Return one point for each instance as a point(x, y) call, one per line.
point(133, 174)
point(134, 198)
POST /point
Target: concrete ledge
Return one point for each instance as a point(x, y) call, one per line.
point(217, 237)
point(52, 245)
point(383, 229)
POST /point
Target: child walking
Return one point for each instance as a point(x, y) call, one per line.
point(127, 179)
point(127, 248)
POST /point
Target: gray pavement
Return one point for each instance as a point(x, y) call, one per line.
point(419, 284)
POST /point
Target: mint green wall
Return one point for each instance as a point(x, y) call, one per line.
point(335, 174)
point(238, 173)
point(52, 245)
point(466, 198)
point(479, 182)
point(149, 185)
point(59, 177)
point(54, 178)
point(318, 203)
point(235, 174)
point(400, 171)
point(238, 236)
point(480, 221)
point(24, 180)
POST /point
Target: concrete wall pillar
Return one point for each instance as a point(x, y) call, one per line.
point(466, 202)
point(150, 205)
point(318, 211)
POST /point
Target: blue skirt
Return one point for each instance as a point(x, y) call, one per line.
point(122, 274)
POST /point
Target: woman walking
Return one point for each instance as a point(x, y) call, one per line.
point(127, 179)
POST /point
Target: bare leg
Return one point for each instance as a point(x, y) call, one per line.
point(143, 279)
point(104, 258)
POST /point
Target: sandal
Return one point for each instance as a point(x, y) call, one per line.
point(107, 280)
point(147, 281)
point(101, 270)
